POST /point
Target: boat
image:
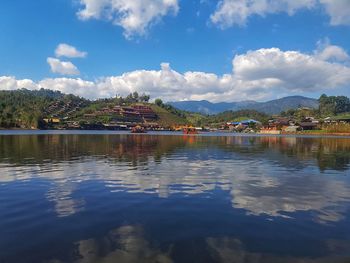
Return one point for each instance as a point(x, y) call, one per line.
point(138, 129)
point(190, 131)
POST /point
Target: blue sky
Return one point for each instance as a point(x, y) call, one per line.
point(219, 50)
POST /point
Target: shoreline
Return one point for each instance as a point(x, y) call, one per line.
point(5, 132)
point(346, 134)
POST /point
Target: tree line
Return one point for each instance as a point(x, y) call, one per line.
point(333, 105)
point(26, 109)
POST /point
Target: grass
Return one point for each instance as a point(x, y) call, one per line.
point(196, 119)
point(331, 129)
point(342, 116)
point(167, 119)
point(337, 128)
point(315, 131)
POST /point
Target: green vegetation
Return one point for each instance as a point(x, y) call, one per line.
point(131, 98)
point(168, 118)
point(25, 109)
point(39, 109)
point(337, 128)
point(200, 120)
point(301, 113)
point(235, 116)
point(112, 102)
point(333, 105)
point(331, 128)
point(342, 116)
point(197, 119)
point(337, 107)
point(170, 108)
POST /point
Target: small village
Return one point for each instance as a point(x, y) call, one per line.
point(127, 117)
point(57, 111)
point(283, 125)
point(119, 118)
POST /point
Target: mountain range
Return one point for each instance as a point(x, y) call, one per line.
point(268, 107)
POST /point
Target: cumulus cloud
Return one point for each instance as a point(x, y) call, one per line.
point(339, 11)
point(327, 51)
point(135, 17)
point(289, 70)
point(257, 74)
point(62, 67)
point(237, 12)
point(65, 50)
point(11, 83)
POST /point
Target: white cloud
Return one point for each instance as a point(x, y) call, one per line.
point(11, 83)
point(135, 16)
point(65, 50)
point(290, 70)
point(237, 12)
point(339, 11)
point(76, 86)
point(258, 74)
point(167, 83)
point(62, 67)
point(326, 51)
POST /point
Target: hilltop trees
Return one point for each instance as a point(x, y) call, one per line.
point(332, 105)
point(26, 108)
point(132, 98)
point(238, 116)
point(22, 108)
point(158, 102)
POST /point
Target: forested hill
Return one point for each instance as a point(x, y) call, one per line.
point(268, 107)
point(24, 108)
point(35, 109)
point(29, 109)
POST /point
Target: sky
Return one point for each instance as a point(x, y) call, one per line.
point(216, 50)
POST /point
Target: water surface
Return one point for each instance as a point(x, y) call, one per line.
point(161, 198)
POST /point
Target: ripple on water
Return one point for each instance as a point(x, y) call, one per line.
point(97, 198)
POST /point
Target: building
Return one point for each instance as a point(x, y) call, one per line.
point(52, 120)
point(146, 112)
point(307, 126)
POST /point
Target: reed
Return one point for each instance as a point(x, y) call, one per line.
point(337, 128)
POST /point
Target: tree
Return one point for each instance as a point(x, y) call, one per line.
point(144, 98)
point(342, 104)
point(158, 102)
point(135, 96)
point(331, 105)
point(327, 105)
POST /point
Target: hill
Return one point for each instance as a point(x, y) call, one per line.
point(26, 109)
point(47, 109)
point(166, 118)
point(268, 107)
point(237, 116)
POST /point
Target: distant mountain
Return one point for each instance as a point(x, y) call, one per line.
point(269, 107)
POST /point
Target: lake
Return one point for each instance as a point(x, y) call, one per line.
point(117, 197)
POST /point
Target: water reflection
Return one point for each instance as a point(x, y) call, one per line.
point(296, 185)
point(61, 196)
point(227, 250)
point(128, 244)
point(328, 153)
point(125, 244)
point(264, 175)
